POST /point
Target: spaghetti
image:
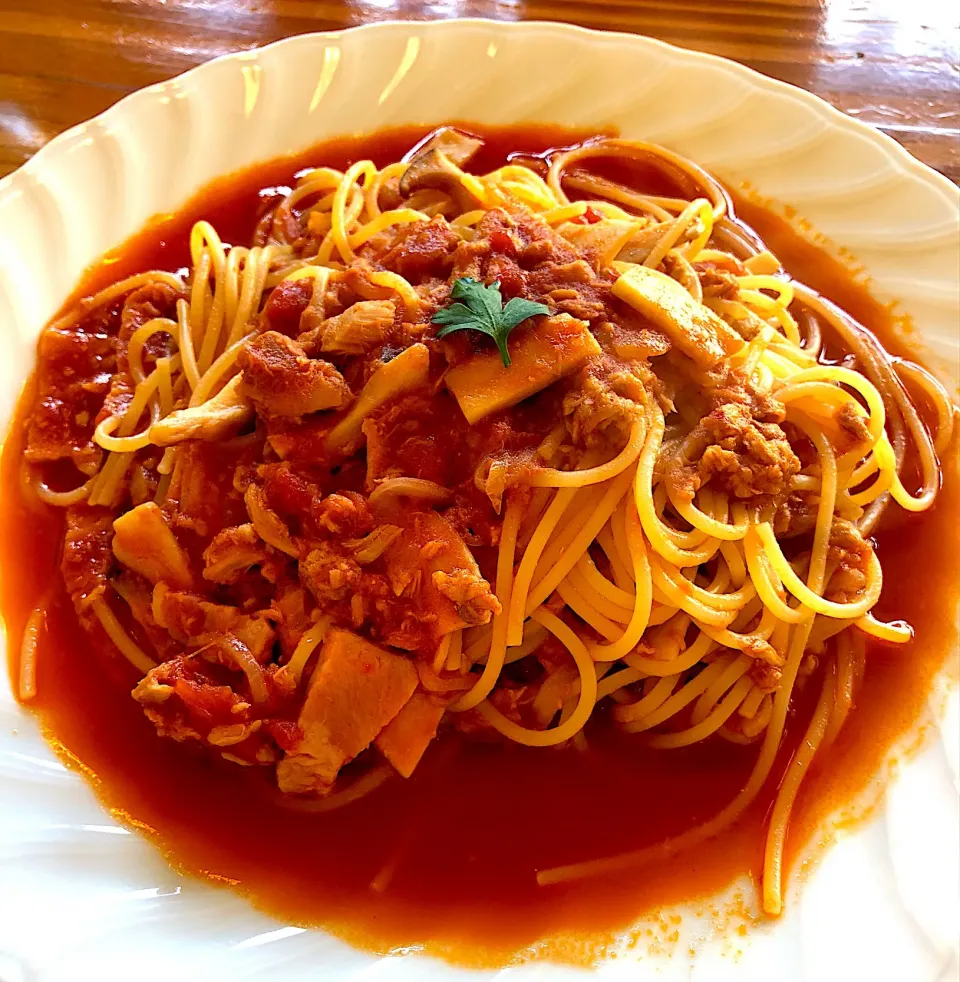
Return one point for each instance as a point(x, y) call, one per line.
point(679, 494)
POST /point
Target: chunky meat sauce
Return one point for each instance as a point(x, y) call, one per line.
point(250, 545)
point(286, 521)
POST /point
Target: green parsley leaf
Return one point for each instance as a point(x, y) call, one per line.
point(482, 310)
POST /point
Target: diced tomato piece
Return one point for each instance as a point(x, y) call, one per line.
point(285, 306)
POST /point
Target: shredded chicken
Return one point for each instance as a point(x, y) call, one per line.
point(192, 620)
point(231, 552)
point(432, 560)
point(267, 523)
point(346, 513)
point(359, 329)
point(719, 283)
point(852, 425)
point(602, 410)
point(329, 573)
point(469, 591)
point(193, 698)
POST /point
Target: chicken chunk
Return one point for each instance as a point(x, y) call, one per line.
point(355, 692)
point(143, 541)
point(282, 381)
point(184, 696)
point(286, 305)
point(73, 377)
point(329, 573)
point(405, 738)
point(192, 698)
point(422, 250)
point(347, 513)
point(83, 374)
point(87, 557)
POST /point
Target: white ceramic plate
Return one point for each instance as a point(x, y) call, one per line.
point(80, 897)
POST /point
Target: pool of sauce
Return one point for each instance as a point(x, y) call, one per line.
point(466, 834)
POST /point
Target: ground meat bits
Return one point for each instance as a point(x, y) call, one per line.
point(329, 573)
point(740, 456)
point(282, 381)
point(849, 553)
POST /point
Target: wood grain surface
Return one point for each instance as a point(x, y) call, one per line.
point(894, 64)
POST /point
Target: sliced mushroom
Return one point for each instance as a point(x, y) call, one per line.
point(603, 241)
point(459, 147)
point(226, 412)
point(434, 169)
point(645, 241)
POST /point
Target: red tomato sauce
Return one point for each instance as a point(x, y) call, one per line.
point(466, 834)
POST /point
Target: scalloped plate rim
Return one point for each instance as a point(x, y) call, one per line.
point(910, 164)
point(900, 163)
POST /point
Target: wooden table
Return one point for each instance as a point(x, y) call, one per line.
point(891, 63)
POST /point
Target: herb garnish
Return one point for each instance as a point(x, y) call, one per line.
point(483, 310)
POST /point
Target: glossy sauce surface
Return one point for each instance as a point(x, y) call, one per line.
point(463, 838)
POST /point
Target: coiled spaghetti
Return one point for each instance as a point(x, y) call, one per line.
point(682, 600)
